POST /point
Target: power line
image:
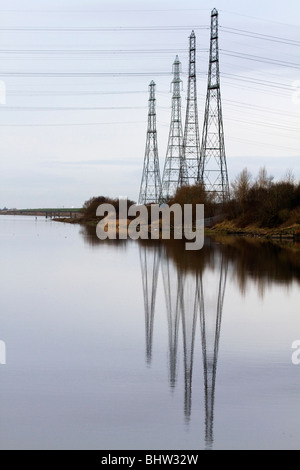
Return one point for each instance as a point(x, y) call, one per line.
point(100, 28)
point(129, 11)
point(272, 74)
point(256, 58)
point(266, 83)
point(253, 107)
point(247, 87)
point(71, 108)
point(243, 122)
point(106, 11)
point(251, 113)
point(265, 37)
point(259, 143)
point(71, 124)
point(72, 52)
point(92, 51)
point(230, 103)
point(265, 124)
point(72, 93)
point(85, 74)
point(259, 19)
point(226, 29)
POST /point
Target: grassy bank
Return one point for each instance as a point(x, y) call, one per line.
point(228, 227)
point(291, 233)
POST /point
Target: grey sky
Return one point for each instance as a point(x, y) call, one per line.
point(61, 157)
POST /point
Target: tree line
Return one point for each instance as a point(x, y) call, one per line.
point(263, 201)
point(258, 201)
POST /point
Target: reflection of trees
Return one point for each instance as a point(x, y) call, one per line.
point(251, 259)
point(255, 259)
point(262, 262)
point(89, 235)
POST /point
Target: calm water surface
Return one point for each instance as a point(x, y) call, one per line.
point(125, 345)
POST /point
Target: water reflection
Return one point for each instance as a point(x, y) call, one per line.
point(150, 260)
point(189, 306)
point(89, 236)
point(184, 289)
point(170, 281)
point(261, 261)
point(2, 353)
point(210, 320)
point(194, 287)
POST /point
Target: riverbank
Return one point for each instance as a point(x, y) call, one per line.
point(291, 233)
point(46, 212)
point(280, 233)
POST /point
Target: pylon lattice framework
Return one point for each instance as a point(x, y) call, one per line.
point(213, 166)
point(150, 189)
point(173, 161)
point(189, 172)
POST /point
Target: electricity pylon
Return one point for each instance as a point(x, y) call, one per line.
point(191, 142)
point(150, 189)
point(213, 166)
point(173, 162)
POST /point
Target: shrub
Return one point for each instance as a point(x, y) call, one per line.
point(90, 206)
point(195, 194)
point(263, 201)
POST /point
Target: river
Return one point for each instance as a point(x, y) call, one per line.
point(143, 345)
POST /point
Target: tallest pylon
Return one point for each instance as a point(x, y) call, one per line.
point(213, 166)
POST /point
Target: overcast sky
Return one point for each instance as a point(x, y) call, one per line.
point(76, 74)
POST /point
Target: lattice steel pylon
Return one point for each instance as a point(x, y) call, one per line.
point(173, 161)
point(189, 173)
point(213, 166)
point(150, 189)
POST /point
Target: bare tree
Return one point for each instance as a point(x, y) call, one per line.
point(241, 186)
point(264, 181)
